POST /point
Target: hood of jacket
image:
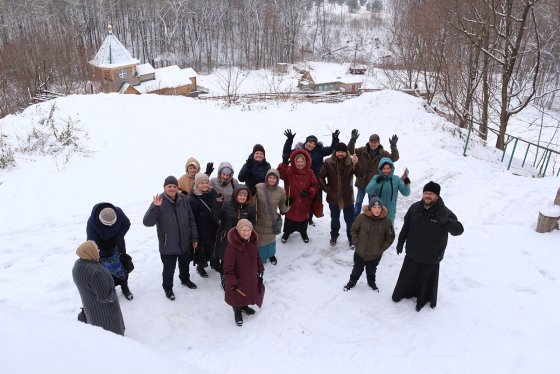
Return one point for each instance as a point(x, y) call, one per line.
point(383, 161)
point(305, 154)
point(239, 188)
point(272, 172)
point(192, 161)
point(225, 165)
point(238, 242)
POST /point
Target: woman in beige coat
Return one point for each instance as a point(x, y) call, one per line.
point(270, 203)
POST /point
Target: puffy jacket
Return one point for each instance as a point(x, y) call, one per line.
point(176, 227)
point(277, 197)
point(253, 174)
point(425, 231)
point(317, 154)
point(186, 183)
point(224, 189)
point(387, 188)
point(372, 235)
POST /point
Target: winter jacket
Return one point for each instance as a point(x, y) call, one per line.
point(335, 178)
point(295, 182)
point(317, 154)
point(107, 238)
point(224, 189)
point(387, 188)
point(241, 265)
point(201, 206)
point(425, 231)
point(97, 291)
point(186, 183)
point(277, 198)
point(227, 215)
point(176, 227)
point(372, 235)
point(370, 164)
point(253, 172)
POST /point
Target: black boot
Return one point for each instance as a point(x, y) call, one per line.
point(285, 238)
point(238, 316)
point(349, 285)
point(169, 294)
point(273, 260)
point(223, 282)
point(305, 237)
point(189, 284)
point(248, 310)
point(373, 285)
point(201, 271)
point(126, 291)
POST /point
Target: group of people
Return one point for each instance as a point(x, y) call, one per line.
point(232, 227)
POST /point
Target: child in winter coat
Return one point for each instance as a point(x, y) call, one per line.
point(372, 234)
point(243, 270)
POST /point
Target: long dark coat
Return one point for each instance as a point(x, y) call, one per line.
point(425, 234)
point(241, 265)
point(227, 215)
point(372, 235)
point(335, 178)
point(97, 291)
point(297, 181)
point(107, 238)
point(369, 164)
point(201, 206)
point(176, 227)
point(277, 198)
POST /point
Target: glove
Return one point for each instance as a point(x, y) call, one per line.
point(399, 249)
point(442, 216)
point(354, 135)
point(209, 168)
point(286, 159)
point(393, 140)
point(304, 194)
point(406, 180)
point(379, 179)
point(290, 200)
point(233, 288)
point(289, 135)
point(335, 136)
point(250, 162)
point(405, 175)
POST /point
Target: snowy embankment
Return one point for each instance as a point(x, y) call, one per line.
point(498, 282)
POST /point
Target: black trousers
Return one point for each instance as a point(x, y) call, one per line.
point(169, 263)
point(417, 280)
point(293, 226)
point(360, 264)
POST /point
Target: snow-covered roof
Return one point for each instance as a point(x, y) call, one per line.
point(167, 77)
point(190, 72)
point(112, 54)
point(143, 69)
point(328, 77)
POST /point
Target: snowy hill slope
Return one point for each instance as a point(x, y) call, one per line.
point(498, 281)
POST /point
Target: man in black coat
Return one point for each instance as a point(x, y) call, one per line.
point(427, 225)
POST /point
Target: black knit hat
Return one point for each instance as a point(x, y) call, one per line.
point(170, 180)
point(432, 187)
point(257, 148)
point(311, 138)
point(341, 147)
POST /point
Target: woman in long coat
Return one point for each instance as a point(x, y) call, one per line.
point(97, 290)
point(243, 269)
point(387, 186)
point(301, 186)
point(271, 201)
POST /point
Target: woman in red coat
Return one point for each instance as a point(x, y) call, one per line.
point(243, 268)
point(301, 188)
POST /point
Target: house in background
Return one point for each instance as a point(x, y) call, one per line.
point(118, 71)
point(319, 81)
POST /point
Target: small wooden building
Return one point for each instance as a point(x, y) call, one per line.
point(357, 69)
point(327, 82)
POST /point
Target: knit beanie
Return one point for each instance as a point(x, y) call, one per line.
point(311, 138)
point(170, 180)
point(243, 223)
point(88, 251)
point(107, 216)
point(257, 148)
point(432, 187)
point(375, 201)
point(341, 147)
point(374, 138)
point(200, 177)
point(227, 170)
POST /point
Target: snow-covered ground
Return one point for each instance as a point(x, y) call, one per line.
point(499, 281)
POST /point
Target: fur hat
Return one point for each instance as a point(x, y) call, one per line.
point(170, 180)
point(258, 148)
point(311, 138)
point(199, 178)
point(88, 251)
point(375, 201)
point(374, 138)
point(432, 187)
point(108, 216)
point(341, 147)
point(243, 223)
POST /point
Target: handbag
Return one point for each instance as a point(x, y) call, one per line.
point(127, 262)
point(317, 207)
point(276, 223)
